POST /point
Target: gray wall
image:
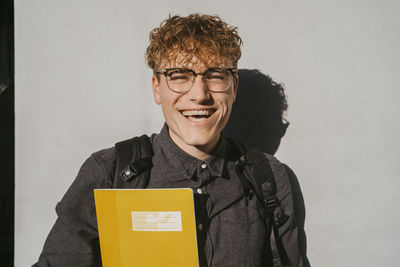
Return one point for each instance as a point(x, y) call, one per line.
point(82, 84)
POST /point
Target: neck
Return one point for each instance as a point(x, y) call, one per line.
point(200, 152)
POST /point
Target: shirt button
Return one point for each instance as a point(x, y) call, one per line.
point(203, 166)
point(200, 226)
point(199, 191)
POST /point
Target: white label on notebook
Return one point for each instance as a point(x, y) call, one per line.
point(156, 221)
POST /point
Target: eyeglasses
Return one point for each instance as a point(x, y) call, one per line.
point(181, 80)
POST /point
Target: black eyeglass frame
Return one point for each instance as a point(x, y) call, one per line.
point(233, 71)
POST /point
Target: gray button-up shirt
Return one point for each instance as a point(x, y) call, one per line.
point(230, 230)
point(229, 226)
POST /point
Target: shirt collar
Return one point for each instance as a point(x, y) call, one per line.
point(186, 163)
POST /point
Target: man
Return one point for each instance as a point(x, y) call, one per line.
point(194, 61)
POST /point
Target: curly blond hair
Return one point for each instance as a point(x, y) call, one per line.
point(193, 39)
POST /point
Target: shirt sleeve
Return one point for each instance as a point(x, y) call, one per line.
point(73, 240)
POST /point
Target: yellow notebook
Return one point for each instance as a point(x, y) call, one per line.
point(146, 227)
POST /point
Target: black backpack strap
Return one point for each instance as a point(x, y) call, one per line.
point(238, 150)
point(133, 163)
point(265, 190)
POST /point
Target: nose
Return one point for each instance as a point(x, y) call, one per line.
point(199, 92)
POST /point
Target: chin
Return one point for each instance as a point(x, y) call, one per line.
point(199, 139)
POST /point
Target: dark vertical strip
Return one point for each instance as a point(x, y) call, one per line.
point(7, 138)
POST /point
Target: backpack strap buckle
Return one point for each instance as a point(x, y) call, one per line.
point(133, 160)
point(271, 202)
point(135, 168)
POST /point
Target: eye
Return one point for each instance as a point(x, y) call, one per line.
point(216, 75)
point(178, 75)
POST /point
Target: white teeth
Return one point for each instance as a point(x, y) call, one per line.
point(203, 112)
point(196, 119)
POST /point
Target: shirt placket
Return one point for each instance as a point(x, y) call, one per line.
point(202, 220)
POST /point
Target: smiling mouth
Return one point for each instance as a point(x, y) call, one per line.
point(198, 115)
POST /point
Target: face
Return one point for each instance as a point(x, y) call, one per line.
point(196, 118)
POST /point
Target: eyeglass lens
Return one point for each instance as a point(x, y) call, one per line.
point(181, 80)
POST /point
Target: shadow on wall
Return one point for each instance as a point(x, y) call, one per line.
point(257, 114)
point(257, 120)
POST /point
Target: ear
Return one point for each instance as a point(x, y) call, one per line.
point(155, 83)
